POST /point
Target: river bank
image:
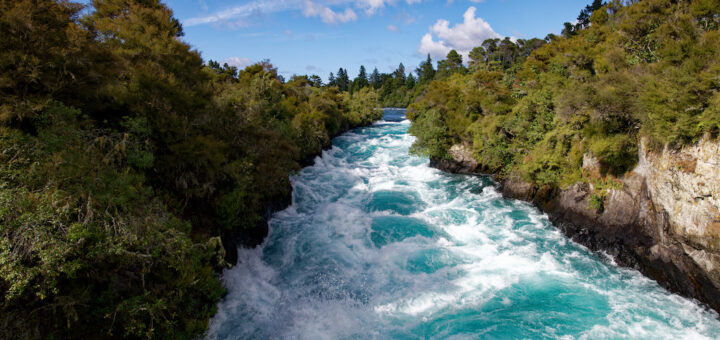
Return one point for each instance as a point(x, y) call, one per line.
point(252, 237)
point(663, 221)
point(377, 244)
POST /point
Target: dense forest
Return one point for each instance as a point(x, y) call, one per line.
point(126, 163)
point(629, 72)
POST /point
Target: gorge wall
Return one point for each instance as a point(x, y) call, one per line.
point(663, 220)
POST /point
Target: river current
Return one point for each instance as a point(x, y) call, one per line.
point(378, 245)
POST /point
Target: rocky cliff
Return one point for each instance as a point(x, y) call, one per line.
point(663, 219)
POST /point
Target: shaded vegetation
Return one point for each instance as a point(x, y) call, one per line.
point(126, 163)
point(628, 71)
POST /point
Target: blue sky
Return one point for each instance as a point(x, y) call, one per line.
point(319, 36)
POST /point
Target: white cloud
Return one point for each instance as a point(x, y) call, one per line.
point(462, 37)
point(326, 10)
point(242, 12)
point(238, 62)
point(371, 5)
point(393, 28)
point(405, 17)
point(326, 14)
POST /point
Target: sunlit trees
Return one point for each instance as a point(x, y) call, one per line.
point(361, 81)
point(426, 71)
point(628, 71)
point(450, 65)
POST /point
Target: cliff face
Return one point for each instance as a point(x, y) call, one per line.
point(664, 221)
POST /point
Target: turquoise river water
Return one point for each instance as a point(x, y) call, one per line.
point(378, 245)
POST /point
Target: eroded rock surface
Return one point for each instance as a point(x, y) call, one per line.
point(665, 221)
point(461, 162)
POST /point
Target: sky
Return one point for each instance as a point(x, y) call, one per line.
point(320, 36)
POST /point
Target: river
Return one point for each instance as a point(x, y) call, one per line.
point(378, 245)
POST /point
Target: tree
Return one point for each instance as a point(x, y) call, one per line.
point(526, 47)
point(425, 71)
point(375, 79)
point(477, 58)
point(454, 58)
point(583, 19)
point(400, 74)
point(508, 52)
point(342, 80)
point(550, 38)
point(490, 45)
point(43, 51)
point(410, 82)
point(361, 80)
point(315, 81)
point(568, 30)
point(451, 64)
point(331, 80)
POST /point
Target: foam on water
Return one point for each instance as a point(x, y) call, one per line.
point(379, 245)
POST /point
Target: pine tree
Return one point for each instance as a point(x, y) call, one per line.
point(451, 64)
point(425, 71)
point(400, 74)
point(375, 79)
point(361, 80)
point(477, 57)
point(410, 82)
point(342, 80)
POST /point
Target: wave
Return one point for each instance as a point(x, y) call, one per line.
point(379, 245)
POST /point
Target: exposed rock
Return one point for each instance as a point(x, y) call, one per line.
point(515, 187)
point(461, 162)
point(665, 221)
point(591, 166)
point(686, 184)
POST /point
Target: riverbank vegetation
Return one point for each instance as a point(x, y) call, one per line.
point(126, 163)
point(627, 71)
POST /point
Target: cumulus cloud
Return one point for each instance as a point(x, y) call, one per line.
point(393, 28)
point(326, 14)
point(238, 62)
point(461, 37)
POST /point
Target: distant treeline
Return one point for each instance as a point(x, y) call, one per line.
point(401, 87)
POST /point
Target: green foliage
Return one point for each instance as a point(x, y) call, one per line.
point(362, 107)
point(435, 139)
point(647, 69)
point(617, 153)
point(597, 202)
point(124, 160)
point(86, 249)
point(452, 64)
